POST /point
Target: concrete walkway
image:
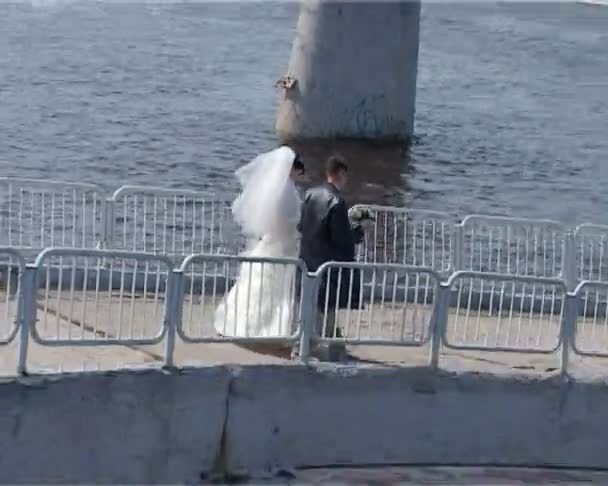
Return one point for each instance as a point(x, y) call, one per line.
point(86, 319)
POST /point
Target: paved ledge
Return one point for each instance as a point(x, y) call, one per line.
point(429, 474)
point(167, 426)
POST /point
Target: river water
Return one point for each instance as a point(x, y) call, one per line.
point(512, 106)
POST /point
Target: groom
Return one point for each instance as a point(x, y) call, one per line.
point(327, 236)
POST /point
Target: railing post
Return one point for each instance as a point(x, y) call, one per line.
point(440, 318)
point(310, 287)
point(175, 292)
point(568, 331)
point(569, 262)
point(107, 224)
point(26, 314)
point(457, 248)
point(102, 232)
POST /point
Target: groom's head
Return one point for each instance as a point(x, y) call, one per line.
point(336, 171)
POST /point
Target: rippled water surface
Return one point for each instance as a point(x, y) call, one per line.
point(512, 107)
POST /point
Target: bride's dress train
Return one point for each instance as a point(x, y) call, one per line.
point(261, 301)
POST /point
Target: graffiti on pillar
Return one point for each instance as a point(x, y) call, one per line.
point(364, 117)
point(365, 120)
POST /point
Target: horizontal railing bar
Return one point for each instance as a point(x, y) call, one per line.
point(101, 278)
point(378, 266)
point(96, 342)
point(480, 218)
point(588, 354)
point(238, 340)
point(76, 252)
point(205, 258)
point(162, 191)
point(504, 277)
point(51, 183)
point(405, 211)
point(374, 342)
point(590, 226)
point(503, 349)
point(585, 284)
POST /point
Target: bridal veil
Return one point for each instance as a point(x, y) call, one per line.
point(268, 196)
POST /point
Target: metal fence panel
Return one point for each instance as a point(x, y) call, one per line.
point(173, 222)
point(35, 214)
point(376, 303)
point(232, 299)
point(418, 238)
point(591, 247)
point(12, 266)
point(504, 313)
point(591, 328)
point(512, 246)
point(97, 297)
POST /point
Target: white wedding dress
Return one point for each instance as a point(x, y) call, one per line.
point(261, 302)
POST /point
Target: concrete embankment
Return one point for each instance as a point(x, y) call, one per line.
point(174, 426)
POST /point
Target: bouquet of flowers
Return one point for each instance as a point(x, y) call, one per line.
point(359, 215)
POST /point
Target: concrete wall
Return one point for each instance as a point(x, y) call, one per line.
point(171, 427)
point(356, 68)
point(412, 416)
point(146, 427)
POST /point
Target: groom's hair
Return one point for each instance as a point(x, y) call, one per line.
point(335, 164)
point(298, 162)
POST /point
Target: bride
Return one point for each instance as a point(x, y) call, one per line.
point(260, 304)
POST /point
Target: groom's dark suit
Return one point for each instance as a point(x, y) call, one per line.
point(327, 236)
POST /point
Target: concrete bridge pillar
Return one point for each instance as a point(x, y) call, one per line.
point(352, 72)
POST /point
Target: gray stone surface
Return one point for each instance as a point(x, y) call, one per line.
point(440, 475)
point(252, 421)
point(350, 99)
point(112, 428)
point(412, 416)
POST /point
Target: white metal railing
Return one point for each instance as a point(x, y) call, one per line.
point(495, 311)
point(173, 222)
point(410, 237)
point(590, 334)
point(375, 304)
point(94, 299)
point(512, 246)
point(591, 252)
point(35, 214)
point(12, 266)
point(267, 289)
point(92, 296)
